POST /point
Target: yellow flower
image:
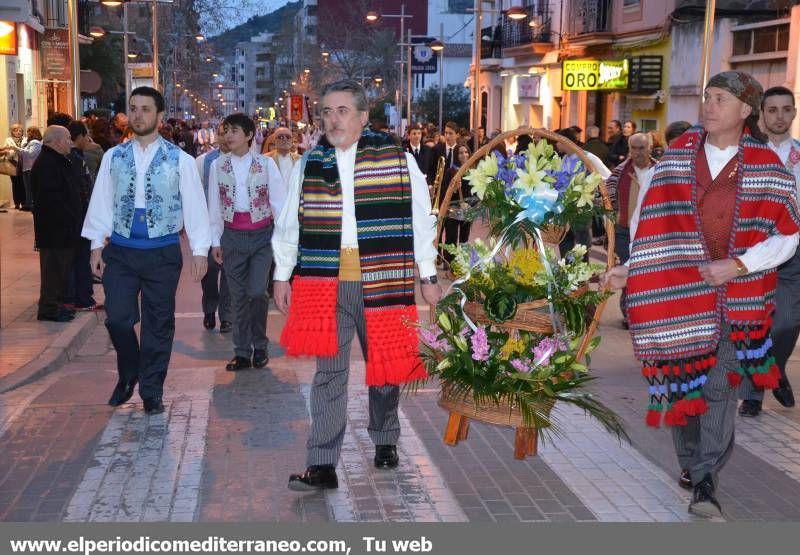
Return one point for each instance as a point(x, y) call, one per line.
point(524, 265)
point(511, 346)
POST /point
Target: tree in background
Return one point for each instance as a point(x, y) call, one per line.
point(455, 105)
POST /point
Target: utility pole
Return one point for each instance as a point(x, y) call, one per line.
point(125, 48)
point(75, 57)
point(476, 99)
point(408, 74)
point(155, 45)
point(708, 43)
point(441, 74)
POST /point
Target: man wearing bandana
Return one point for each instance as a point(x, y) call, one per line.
point(720, 215)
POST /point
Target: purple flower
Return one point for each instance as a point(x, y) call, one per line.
point(520, 366)
point(430, 337)
point(480, 345)
point(473, 258)
point(546, 348)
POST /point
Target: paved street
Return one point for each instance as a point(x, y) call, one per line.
point(224, 448)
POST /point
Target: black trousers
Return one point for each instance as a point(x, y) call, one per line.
point(455, 233)
point(80, 291)
point(18, 188)
point(622, 248)
point(576, 236)
point(55, 266)
point(153, 273)
point(215, 291)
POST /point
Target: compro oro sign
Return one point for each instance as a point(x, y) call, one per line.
point(594, 75)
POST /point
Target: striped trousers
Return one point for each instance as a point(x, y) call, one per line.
point(329, 388)
point(706, 443)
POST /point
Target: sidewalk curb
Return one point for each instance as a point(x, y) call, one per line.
point(63, 348)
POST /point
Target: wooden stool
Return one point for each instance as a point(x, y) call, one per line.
point(525, 439)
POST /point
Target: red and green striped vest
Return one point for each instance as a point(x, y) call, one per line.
point(382, 193)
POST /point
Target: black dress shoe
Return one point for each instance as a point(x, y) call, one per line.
point(783, 393)
point(750, 408)
point(386, 456)
point(238, 363)
point(153, 406)
point(315, 477)
point(685, 481)
point(122, 393)
point(209, 321)
point(260, 358)
point(704, 501)
point(62, 317)
point(225, 327)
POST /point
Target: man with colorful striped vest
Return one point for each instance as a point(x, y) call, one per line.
point(778, 113)
point(146, 191)
point(358, 216)
point(719, 216)
point(245, 190)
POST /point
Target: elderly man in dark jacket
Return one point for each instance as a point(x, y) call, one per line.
point(56, 221)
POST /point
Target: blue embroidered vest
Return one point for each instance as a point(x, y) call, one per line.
point(163, 205)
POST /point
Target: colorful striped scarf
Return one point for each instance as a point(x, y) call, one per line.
point(382, 193)
point(675, 317)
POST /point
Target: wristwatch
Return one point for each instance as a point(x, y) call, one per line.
point(430, 280)
point(741, 269)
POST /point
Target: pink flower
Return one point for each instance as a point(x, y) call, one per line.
point(546, 348)
point(520, 365)
point(794, 156)
point(430, 337)
point(480, 345)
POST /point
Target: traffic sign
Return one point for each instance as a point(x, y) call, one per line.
point(423, 58)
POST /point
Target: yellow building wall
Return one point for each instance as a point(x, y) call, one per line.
point(663, 49)
point(5, 125)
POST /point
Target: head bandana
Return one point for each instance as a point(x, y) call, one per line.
point(741, 85)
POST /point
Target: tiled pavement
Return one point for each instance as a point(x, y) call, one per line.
point(224, 450)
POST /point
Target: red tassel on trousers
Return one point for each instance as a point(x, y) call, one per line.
point(311, 325)
point(734, 378)
point(393, 346)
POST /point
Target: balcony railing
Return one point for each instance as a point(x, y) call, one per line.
point(510, 33)
point(517, 33)
point(589, 16)
point(491, 48)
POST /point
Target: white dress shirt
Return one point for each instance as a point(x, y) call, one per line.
point(99, 222)
point(241, 201)
point(287, 229)
point(783, 149)
point(769, 253)
point(285, 165)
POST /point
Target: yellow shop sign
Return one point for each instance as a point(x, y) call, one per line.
point(594, 75)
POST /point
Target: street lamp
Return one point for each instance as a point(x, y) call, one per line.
point(516, 13)
point(373, 16)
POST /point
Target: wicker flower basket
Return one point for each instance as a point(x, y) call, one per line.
point(532, 316)
point(550, 234)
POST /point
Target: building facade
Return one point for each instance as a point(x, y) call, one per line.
point(587, 62)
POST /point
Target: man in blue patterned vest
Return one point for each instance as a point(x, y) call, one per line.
point(147, 190)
